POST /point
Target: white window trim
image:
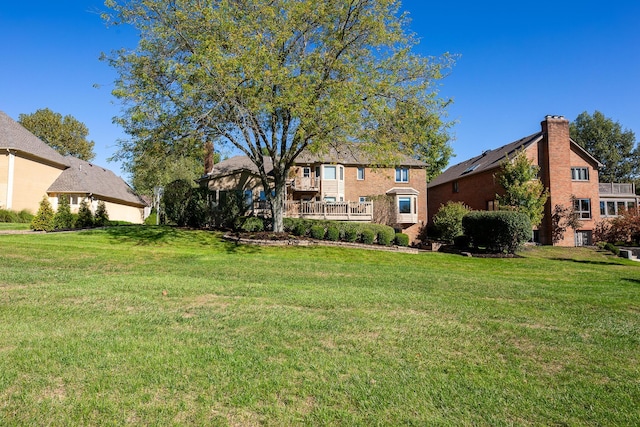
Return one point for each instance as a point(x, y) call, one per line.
point(575, 173)
point(403, 174)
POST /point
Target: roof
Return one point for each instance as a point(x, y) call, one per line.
point(85, 177)
point(351, 154)
point(488, 160)
point(237, 164)
point(346, 155)
point(15, 137)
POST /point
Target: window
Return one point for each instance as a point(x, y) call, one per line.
point(455, 187)
point(330, 199)
point(402, 175)
point(631, 205)
point(306, 172)
point(492, 205)
point(583, 208)
point(360, 174)
point(73, 200)
point(248, 197)
point(330, 172)
point(341, 173)
point(404, 205)
point(362, 199)
point(580, 174)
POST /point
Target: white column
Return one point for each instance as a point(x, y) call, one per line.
point(11, 167)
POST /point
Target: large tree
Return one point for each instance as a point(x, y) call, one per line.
point(66, 134)
point(610, 144)
point(279, 76)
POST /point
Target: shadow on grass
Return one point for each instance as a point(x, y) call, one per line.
point(584, 261)
point(636, 281)
point(144, 235)
point(158, 235)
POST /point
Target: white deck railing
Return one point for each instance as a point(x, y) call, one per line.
point(345, 211)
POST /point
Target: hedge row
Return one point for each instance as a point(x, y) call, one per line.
point(497, 231)
point(345, 231)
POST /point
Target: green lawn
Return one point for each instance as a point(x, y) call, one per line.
point(157, 326)
point(13, 226)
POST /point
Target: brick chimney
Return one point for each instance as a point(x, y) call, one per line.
point(555, 170)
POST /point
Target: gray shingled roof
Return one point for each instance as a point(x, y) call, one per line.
point(85, 177)
point(488, 160)
point(239, 163)
point(350, 154)
point(14, 136)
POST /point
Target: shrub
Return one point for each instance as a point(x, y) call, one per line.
point(317, 232)
point(300, 229)
point(368, 236)
point(63, 219)
point(612, 248)
point(498, 231)
point(333, 234)
point(85, 217)
point(152, 218)
point(175, 201)
point(402, 239)
point(461, 242)
point(8, 216)
point(198, 213)
point(448, 220)
point(24, 216)
point(386, 236)
point(43, 221)
point(101, 217)
point(250, 224)
point(351, 234)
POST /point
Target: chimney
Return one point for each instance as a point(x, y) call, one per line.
point(554, 157)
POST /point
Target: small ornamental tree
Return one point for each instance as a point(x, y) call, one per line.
point(448, 220)
point(85, 217)
point(523, 190)
point(623, 228)
point(63, 219)
point(562, 218)
point(175, 201)
point(101, 217)
point(43, 221)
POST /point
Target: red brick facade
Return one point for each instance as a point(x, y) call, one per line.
point(556, 155)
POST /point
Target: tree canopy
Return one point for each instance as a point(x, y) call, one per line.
point(278, 76)
point(67, 135)
point(609, 143)
point(523, 190)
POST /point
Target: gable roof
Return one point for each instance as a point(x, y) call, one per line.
point(85, 177)
point(488, 160)
point(236, 164)
point(15, 137)
point(350, 154)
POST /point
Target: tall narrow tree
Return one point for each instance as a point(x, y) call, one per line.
point(279, 76)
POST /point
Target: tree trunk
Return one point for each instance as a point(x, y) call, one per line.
point(277, 207)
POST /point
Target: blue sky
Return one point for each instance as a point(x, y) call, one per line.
point(519, 61)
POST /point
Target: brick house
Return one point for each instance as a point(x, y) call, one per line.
point(341, 184)
point(31, 169)
point(566, 170)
